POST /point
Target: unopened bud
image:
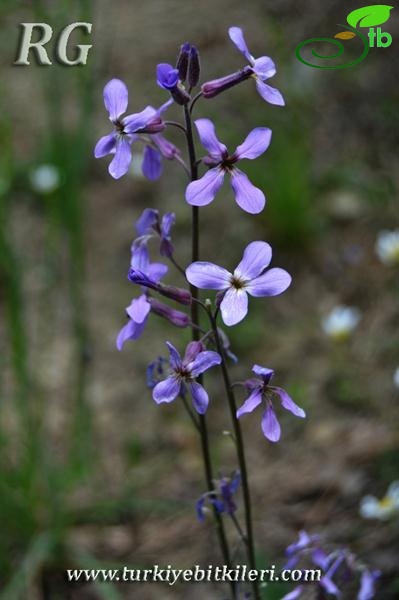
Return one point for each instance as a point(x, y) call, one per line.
point(194, 68)
point(177, 318)
point(182, 61)
point(177, 294)
point(179, 95)
point(210, 89)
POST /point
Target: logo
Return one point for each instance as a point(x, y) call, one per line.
point(367, 17)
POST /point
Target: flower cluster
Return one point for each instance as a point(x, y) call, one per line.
point(181, 375)
point(338, 568)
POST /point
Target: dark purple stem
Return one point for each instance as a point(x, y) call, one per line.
point(195, 336)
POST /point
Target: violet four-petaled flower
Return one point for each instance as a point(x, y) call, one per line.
point(202, 191)
point(250, 277)
point(150, 222)
point(125, 129)
point(139, 308)
point(261, 390)
point(184, 373)
point(262, 68)
point(222, 498)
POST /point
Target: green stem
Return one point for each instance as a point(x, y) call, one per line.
point(203, 429)
point(249, 538)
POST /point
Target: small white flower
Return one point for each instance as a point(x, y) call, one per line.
point(340, 322)
point(387, 507)
point(45, 179)
point(396, 378)
point(387, 247)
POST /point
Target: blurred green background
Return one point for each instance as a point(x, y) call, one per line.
point(92, 473)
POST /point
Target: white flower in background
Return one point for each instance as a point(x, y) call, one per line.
point(340, 322)
point(387, 507)
point(45, 179)
point(396, 378)
point(387, 247)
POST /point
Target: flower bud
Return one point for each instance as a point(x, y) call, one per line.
point(182, 61)
point(179, 95)
point(177, 318)
point(210, 89)
point(177, 294)
point(194, 68)
point(154, 126)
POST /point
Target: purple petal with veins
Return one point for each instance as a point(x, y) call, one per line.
point(272, 283)
point(234, 306)
point(256, 257)
point(207, 135)
point(248, 197)
point(115, 98)
point(208, 276)
point(255, 144)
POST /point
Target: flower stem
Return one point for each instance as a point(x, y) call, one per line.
point(249, 538)
point(203, 429)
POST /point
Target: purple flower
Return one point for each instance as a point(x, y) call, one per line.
point(367, 584)
point(125, 130)
point(260, 390)
point(168, 79)
point(139, 308)
point(222, 499)
point(250, 277)
point(137, 312)
point(149, 222)
point(140, 261)
point(210, 89)
point(152, 161)
point(262, 68)
point(183, 374)
point(203, 191)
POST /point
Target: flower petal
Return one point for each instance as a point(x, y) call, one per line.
point(270, 94)
point(234, 306)
point(207, 135)
point(203, 361)
point(139, 309)
point(208, 276)
point(167, 390)
point(174, 357)
point(264, 67)
point(256, 257)
point(202, 191)
point(200, 397)
point(237, 37)
point(148, 218)
point(130, 331)
point(263, 372)
point(250, 403)
point(156, 271)
point(140, 258)
point(192, 351)
point(137, 121)
point(255, 144)
point(272, 283)
point(270, 426)
point(168, 220)
point(248, 197)
point(288, 403)
point(120, 164)
point(105, 145)
point(115, 98)
point(152, 164)
point(167, 76)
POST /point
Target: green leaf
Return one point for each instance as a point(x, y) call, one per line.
point(369, 16)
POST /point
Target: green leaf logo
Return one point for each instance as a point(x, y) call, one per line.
point(369, 16)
